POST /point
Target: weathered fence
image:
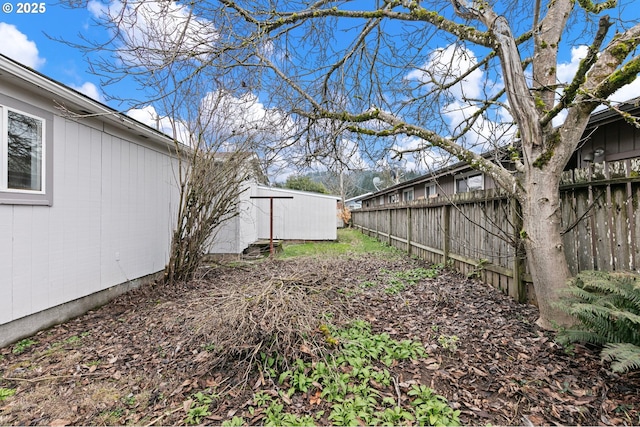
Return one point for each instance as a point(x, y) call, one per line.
point(478, 233)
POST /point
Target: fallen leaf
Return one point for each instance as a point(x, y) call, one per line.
point(304, 348)
point(285, 398)
point(59, 422)
point(315, 399)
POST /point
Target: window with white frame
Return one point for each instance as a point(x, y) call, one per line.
point(430, 190)
point(407, 195)
point(25, 176)
point(468, 183)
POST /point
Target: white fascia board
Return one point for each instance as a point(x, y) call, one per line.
point(79, 101)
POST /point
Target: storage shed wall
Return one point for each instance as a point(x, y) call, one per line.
point(307, 216)
point(237, 233)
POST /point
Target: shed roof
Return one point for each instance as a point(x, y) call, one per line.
point(288, 191)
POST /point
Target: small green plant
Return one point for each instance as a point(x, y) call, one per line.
point(6, 392)
point(393, 416)
point(607, 308)
point(74, 339)
point(417, 274)
point(23, 345)
point(129, 400)
point(368, 284)
point(196, 414)
point(262, 399)
point(350, 382)
point(111, 417)
point(233, 422)
point(199, 407)
point(432, 409)
point(476, 273)
point(449, 342)
point(395, 287)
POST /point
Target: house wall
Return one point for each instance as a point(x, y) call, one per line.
point(619, 141)
point(236, 234)
point(308, 216)
point(109, 223)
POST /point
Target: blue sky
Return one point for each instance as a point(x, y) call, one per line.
point(23, 37)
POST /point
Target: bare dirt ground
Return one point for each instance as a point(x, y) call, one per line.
point(138, 359)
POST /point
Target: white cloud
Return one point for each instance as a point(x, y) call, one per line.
point(445, 65)
point(155, 32)
point(90, 90)
point(567, 70)
point(246, 121)
point(17, 46)
point(625, 93)
point(149, 116)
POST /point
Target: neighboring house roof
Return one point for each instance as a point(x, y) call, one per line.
point(77, 104)
point(609, 115)
point(358, 198)
point(598, 118)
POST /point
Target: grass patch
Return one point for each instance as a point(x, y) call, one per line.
point(350, 241)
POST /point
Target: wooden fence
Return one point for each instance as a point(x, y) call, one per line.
point(478, 233)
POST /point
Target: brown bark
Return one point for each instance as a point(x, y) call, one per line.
point(543, 242)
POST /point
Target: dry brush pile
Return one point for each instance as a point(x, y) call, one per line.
point(272, 311)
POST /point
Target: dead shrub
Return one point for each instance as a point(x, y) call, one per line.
point(279, 314)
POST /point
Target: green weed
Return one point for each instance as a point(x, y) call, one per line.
point(23, 345)
point(6, 392)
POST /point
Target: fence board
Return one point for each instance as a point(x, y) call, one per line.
point(479, 231)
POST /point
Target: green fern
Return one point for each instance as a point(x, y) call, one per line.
point(607, 307)
point(623, 357)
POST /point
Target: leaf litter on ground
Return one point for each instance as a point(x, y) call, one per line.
point(138, 359)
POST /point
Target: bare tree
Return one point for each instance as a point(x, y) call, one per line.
point(456, 77)
point(184, 92)
point(407, 67)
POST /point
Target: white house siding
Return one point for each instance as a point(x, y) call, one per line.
point(308, 216)
point(237, 233)
point(114, 198)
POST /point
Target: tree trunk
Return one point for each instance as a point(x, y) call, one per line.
point(543, 242)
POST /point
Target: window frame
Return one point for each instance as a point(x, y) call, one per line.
point(15, 196)
point(405, 194)
point(428, 194)
point(465, 178)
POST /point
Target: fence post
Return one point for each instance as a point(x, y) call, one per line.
point(390, 223)
point(409, 231)
point(519, 256)
point(445, 234)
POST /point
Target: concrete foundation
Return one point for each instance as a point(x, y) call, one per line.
point(29, 325)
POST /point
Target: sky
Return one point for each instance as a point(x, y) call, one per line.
point(29, 38)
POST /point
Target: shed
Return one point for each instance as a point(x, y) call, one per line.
point(297, 215)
